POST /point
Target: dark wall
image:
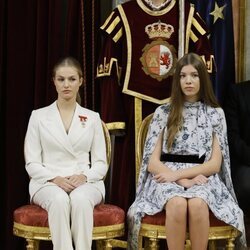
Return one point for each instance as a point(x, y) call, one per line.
point(33, 36)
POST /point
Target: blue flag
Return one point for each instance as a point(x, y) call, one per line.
point(218, 16)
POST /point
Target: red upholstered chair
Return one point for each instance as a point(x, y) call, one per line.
point(31, 221)
point(153, 226)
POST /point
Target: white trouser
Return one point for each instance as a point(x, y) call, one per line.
point(70, 215)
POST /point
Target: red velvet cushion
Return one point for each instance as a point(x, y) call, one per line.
point(159, 219)
point(106, 214)
point(33, 215)
point(156, 219)
point(214, 222)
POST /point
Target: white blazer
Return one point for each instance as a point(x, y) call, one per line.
point(49, 151)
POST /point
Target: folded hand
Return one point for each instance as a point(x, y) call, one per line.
point(169, 176)
point(69, 183)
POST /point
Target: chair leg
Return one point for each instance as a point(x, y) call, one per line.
point(140, 242)
point(99, 245)
point(212, 245)
point(107, 245)
point(32, 244)
point(188, 245)
point(230, 244)
point(153, 244)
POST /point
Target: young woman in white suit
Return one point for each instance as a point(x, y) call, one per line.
point(65, 158)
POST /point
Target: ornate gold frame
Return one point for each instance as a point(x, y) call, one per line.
point(104, 235)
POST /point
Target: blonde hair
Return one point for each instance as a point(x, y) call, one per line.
point(206, 94)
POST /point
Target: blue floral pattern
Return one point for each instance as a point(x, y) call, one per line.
point(200, 122)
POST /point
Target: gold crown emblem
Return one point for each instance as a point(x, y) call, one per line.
point(159, 29)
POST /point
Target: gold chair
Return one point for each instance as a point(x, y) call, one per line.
point(153, 226)
point(31, 221)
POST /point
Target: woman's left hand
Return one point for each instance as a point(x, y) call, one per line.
point(77, 180)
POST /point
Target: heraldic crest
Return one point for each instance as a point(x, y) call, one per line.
point(159, 57)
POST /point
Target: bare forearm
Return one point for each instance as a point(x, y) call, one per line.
point(207, 169)
point(157, 167)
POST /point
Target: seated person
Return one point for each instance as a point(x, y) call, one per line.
point(237, 111)
point(186, 168)
point(65, 156)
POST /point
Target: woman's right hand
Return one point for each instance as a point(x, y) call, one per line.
point(64, 183)
point(200, 180)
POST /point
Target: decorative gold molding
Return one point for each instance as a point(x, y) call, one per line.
point(116, 125)
point(138, 121)
point(43, 233)
point(228, 233)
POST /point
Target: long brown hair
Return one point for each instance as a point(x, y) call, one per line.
point(206, 94)
point(71, 62)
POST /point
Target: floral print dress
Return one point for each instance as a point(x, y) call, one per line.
point(200, 123)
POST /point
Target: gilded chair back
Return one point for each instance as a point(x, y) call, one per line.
point(142, 134)
point(107, 142)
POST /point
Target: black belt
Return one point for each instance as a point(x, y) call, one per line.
point(183, 158)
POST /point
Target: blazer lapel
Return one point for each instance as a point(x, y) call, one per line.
point(79, 125)
point(53, 123)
